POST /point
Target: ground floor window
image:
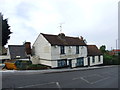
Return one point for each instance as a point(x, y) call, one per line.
point(62, 63)
point(93, 59)
point(99, 58)
point(80, 61)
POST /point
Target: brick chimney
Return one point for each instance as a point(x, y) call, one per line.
point(81, 38)
point(28, 47)
point(61, 35)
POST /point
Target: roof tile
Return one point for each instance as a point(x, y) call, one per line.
point(17, 50)
point(93, 50)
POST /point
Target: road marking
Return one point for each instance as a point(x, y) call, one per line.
point(99, 75)
point(57, 83)
point(87, 76)
point(99, 80)
point(76, 78)
point(36, 85)
point(92, 75)
point(81, 79)
point(84, 80)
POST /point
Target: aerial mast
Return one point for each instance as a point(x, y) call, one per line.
point(61, 27)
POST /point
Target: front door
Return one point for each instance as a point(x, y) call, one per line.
point(80, 61)
point(88, 61)
point(70, 63)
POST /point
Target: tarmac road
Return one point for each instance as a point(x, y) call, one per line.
point(95, 78)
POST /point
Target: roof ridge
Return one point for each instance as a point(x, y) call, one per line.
point(16, 45)
point(57, 35)
point(67, 40)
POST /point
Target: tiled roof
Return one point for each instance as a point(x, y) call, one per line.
point(61, 39)
point(17, 50)
point(93, 50)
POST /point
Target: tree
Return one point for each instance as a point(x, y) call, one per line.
point(103, 49)
point(5, 32)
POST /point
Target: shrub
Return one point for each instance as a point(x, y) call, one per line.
point(36, 67)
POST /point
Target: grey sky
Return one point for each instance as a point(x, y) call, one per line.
point(95, 20)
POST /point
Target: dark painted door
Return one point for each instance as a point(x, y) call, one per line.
point(70, 63)
point(88, 61)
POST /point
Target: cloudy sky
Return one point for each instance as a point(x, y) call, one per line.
point(95, 20)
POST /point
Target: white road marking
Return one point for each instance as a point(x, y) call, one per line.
point(84, 80)
point(76, 78)
point(99, 80)
point(57, 83)
point(37, 85)
point(91, 75)
point(87, 76)
point(81, 79)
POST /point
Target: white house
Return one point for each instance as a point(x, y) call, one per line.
point(60, 51)
point(95, 56)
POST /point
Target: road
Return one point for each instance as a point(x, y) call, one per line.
point(96, 78)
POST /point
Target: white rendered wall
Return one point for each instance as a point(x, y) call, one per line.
point(85, 61)
point(70, 52)
point(45, 62)
point(74, 61)
point(96, 60)
point(42, 49)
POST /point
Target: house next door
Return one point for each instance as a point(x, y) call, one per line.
point(80, 62)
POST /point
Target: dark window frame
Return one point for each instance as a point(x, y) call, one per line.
point(77, 50)
point(93, 59)
point(99, 58)
point(62, 63)
point(62, 49)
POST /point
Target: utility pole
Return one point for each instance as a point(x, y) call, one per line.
point(116, 44)
point(116, 47)
point(111, 48)
point(1, 17)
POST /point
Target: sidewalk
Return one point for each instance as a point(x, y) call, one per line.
point(58, 70)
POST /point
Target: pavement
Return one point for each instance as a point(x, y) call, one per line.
point(59, 70)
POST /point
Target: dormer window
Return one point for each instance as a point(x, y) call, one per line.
point(77, 49)
point(62, 50)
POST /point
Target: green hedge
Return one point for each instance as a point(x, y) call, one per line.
point(111, 60)
point(36, 67)
point(22, 65)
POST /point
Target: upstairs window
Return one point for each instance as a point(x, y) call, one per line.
point(77, 49)
point(62, 50)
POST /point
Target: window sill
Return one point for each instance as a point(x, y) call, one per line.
point(62, 54)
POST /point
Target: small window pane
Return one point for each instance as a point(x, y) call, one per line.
point(93, 59)
point(77, 49)
point(62, 49)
